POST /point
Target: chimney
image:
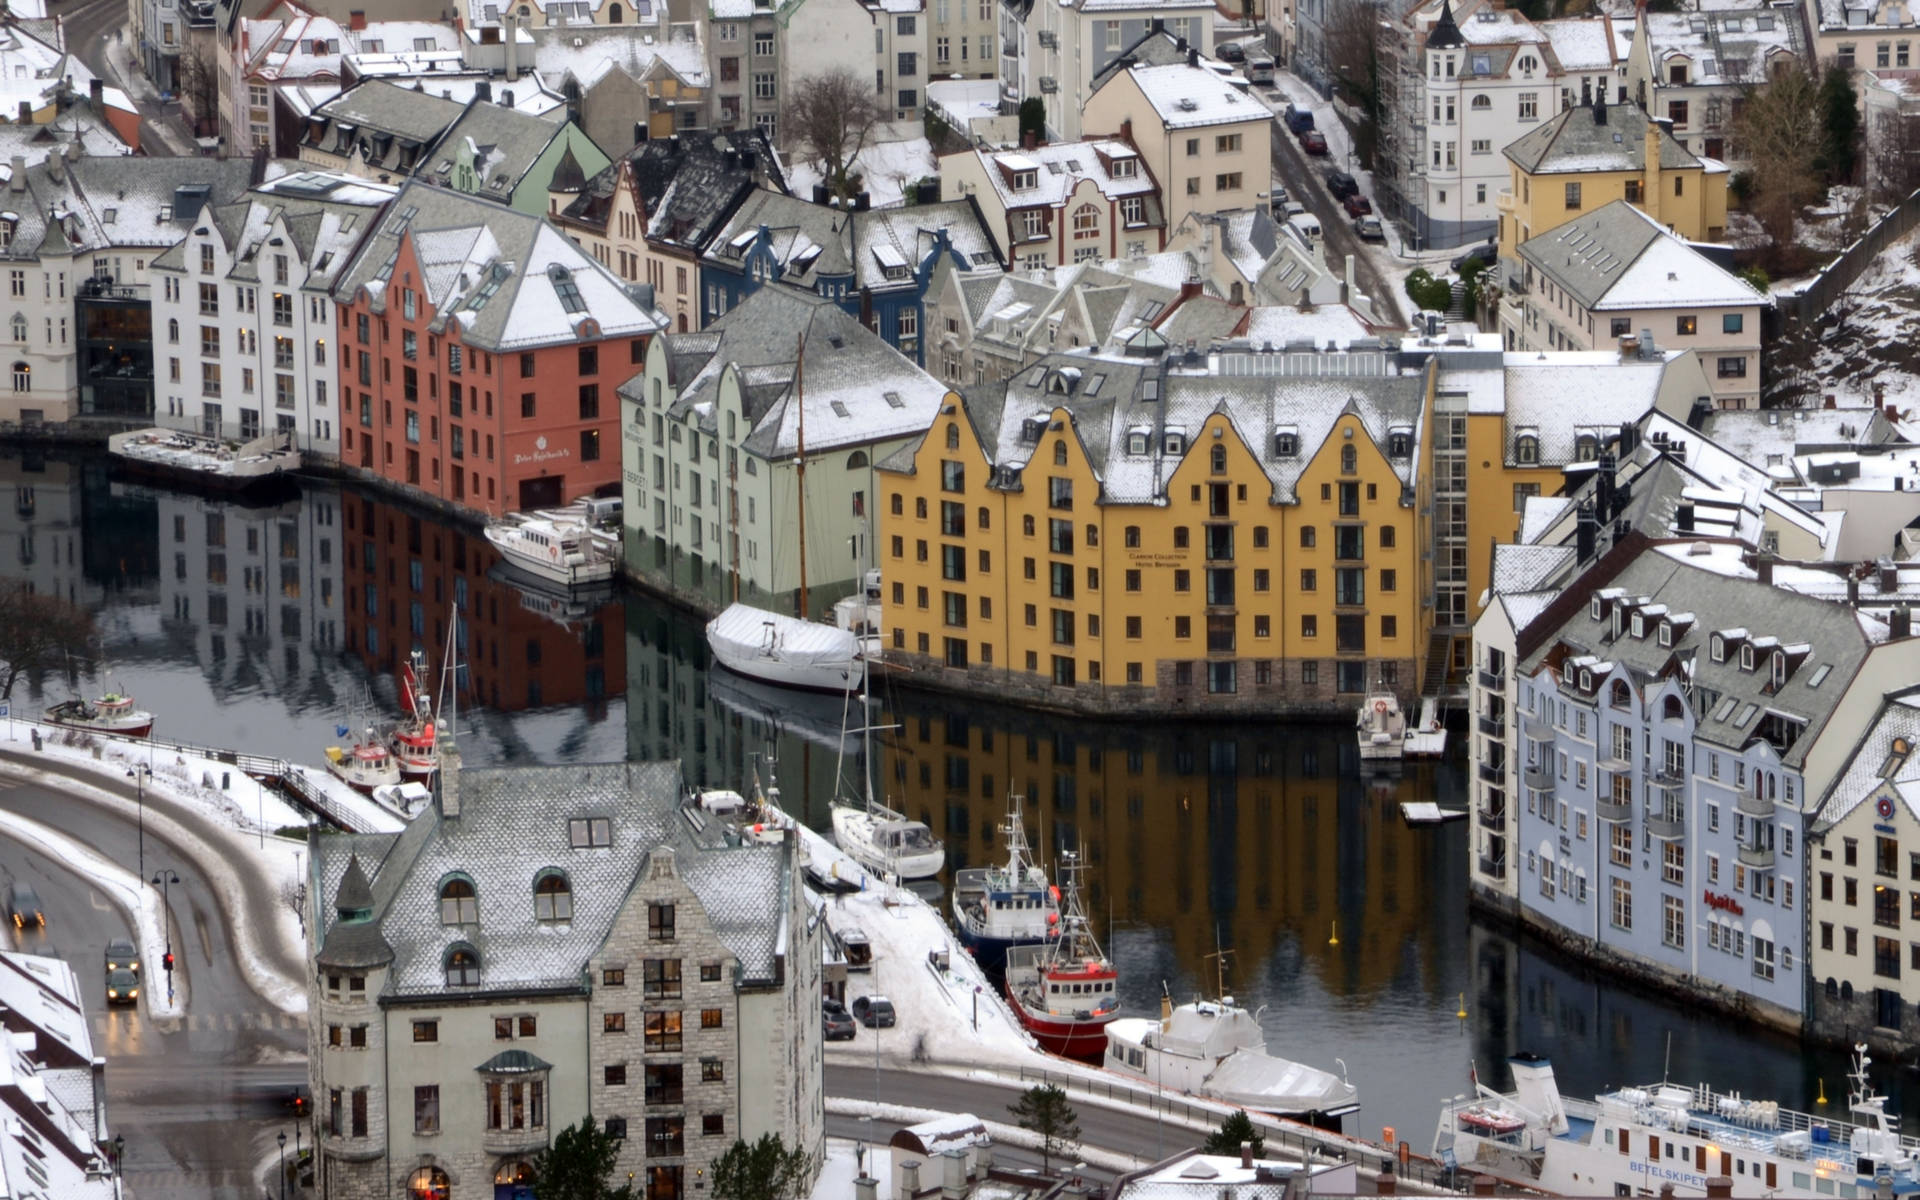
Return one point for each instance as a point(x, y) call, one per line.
point(953, 1185)
point(1683, 519)
point(1763, 570)
point(357, 19)
point(1193, 57)
point(909, 1173)
point(1246, 1156)
point(97, 92)
point(1126, 131)
point(862, 201)
point(446, 780)
point(57, 167)
point(1603, 488)
point(1586, 532)
point(865, 1188)
point(1386, 1184)
point(1485, 1185)
point(1892, 411)
point(483, 90)
point(1190, 288)
point(512, 32)
point(1900, 622)
point(1629, 438)
point(1828, 403)
point(1889, 577)
point(1853, 589)
point(1600, 107)
point(18, 180)
point(1719, 1188)
point(819, 193)
point(26, 113)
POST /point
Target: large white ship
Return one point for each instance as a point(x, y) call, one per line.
point(1637, 1140)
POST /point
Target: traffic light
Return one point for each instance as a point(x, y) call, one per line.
point(299, 1104)
point(167, 961)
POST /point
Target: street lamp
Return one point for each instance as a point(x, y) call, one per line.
point(164, 881)
point(283, 1164)
point(139, 775)
point(120, 1155)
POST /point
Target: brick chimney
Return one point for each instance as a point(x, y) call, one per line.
point(1485, 1185)
point(357, 19)
point(1246, 1156)
point(1650, 193)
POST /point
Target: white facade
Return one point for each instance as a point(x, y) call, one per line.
point(243, 312)
point(1053, 50)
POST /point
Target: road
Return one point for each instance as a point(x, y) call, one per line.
point(198, 1100)
point(1305, 183)
point(1005, 1158)
point(90, 27)
point(1121, 1131)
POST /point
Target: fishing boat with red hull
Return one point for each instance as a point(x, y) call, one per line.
point(1066, 990)
point(412, 740)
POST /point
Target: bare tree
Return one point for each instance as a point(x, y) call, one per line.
point(1893, 156)
point(38, 632)
point(832, 115)
point(197, 79)
point(1352, 46)
point(1781, 130)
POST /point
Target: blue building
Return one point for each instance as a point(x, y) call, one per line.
point(876, 264)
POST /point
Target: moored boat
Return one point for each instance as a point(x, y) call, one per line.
point(562, 546)
point(997, 908)
point(1065, 991)
point(413, 738)
point(1381, 729)
point(1634, 1138)
point(364, 766)
point(779, 649)
point(887, 842)
point(112, 713)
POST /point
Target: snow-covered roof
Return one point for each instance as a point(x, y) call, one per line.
point(1058, 168)
point(1732, 45)
point(1187, 97)
point(52, 1137)
point(1616, 258)
point(1596, 137)
point(1584, 44)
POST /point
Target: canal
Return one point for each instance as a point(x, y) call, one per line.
point(269, 626)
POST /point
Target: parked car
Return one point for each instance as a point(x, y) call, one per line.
point(1298, 120)
point(1231, 52)
point(874, 1011)
point(1279, 199)
point(1486, 254)
point(1259, 70)
point(121, 956)
point(836, 1026)
point(24, 903)
point(1357, 205)
point(123, 987)
point(1341, 185)
point(1313, 143)
point(1368, 229)
point(1293, 209)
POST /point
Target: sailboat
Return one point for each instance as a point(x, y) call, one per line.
point(775, 647)
point(879, 838)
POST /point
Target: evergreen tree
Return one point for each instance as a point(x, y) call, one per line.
point(1233, 1132)
point(1033, 119)
point(1840, 122)
point(579, 1165)
point(764, 1170)
point(1044, 1110)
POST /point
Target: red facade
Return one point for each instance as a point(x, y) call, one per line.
point(462, 422)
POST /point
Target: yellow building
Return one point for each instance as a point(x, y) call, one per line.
point(1593, 154)
point(1243, 530)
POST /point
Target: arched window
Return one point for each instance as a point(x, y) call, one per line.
point(953, 435)
point(552, 897)
point(1481, 103)
point(614, 14)
point(22, 377)
point(985, 518)
point(1086, 221)
point(1672, 710)
point(1620, 695)
point(1526, 449)
point(857, 460)
point(518, 1171)
point(173, 328)
point(1586, 448)
point(1349, 460)
point(19, 325)
point(1060, 453)
point(429, 1183)
point(459, 903)
point(1219, 458)
point(463, 966)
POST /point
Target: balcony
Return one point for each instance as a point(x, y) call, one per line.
point(1613, 810)
point(1666, 781)
point(1491, 681)
point(1493, 868)
point(513, 1141)
point(1755, 806)
point(1494, 773)
point(1492, 726)
point(1539, 778)
point(1760, 858)
point(1612, 765)
point(1493, 817)
point(1667, 827)
point(1535, 728)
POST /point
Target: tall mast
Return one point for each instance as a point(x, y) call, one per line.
point(800, 471)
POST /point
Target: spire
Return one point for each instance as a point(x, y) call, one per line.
point(355, 939)
point(567, 176)
point(1445, 34)
point(354, 900)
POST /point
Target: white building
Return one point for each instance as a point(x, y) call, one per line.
point(1054, 50)
point(54, 1138)
point(1695, 68)
point(243, 310)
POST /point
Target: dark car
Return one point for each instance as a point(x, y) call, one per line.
point(1341, 185)
point(121, 956)
point(123, 987)
point(1313, 143)
point(874, 1011)
point(1231, 52)
point(1357, 205)
point(24, 903)
point(1485, 254)
point(836, 1026)
point(1298, 119)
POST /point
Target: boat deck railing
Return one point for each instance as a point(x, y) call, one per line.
point(1763, 1126)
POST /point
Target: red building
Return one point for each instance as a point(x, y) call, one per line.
point(480, 350)
point(403, 574)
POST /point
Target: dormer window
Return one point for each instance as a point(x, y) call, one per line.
point(1174, 443)
point(459, 903)
point(588, 832)
point(1597, 610)
point(1779, 679)
point(1586, 680)
point(1399, 443)
point(463, 966)
point(1024, 180)
point(1746, 657)
point(1718, 649)
point(1639, 626)
point(1286, 445)
point(1586, 448)
point(552, 897)
point(1619, 695)
point(1666, 634)
point(1126, 168)
point(1526, 450)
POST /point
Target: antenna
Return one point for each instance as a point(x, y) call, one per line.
point(1666, 1068)
point(1219, 957)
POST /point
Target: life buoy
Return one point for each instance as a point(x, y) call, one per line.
point(1380, 706)
point(553, 552)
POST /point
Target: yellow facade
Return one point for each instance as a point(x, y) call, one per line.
point(1214, 598)
point(1691, 200)
point(1494, 498)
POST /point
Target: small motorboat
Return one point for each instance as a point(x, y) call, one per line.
point(563, 546)
point(364, 766)
point(112, 713)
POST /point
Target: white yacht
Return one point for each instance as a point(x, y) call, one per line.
point(1636, 1139)
point(1381, 728)
point(1214, 1048)
point(775, 648)
point(887, 842)
point(562, 546)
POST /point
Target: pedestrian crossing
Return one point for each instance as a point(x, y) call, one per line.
point(191, 1185)
point(122, 1022)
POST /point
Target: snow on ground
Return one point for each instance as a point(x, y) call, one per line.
point(842, 1167)
point(237, 835)
point(890, 168)
point(1003, 1133)
point(141, 904)
point(935, 1008)
point(1864, 339)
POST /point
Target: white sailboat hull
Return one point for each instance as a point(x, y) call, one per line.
point(786, 651)
point(856, 832)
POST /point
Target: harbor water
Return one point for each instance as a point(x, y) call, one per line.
point(1254, 853)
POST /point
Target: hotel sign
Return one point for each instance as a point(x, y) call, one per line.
point(1725, 904)
point(541, 453)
